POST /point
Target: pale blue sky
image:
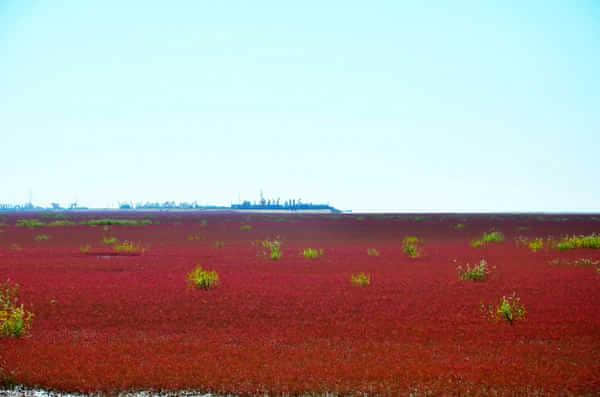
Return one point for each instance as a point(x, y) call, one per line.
point(389, 105)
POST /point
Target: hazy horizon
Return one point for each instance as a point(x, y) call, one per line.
point(462, 106)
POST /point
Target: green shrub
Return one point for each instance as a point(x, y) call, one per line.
point(109, 240)
point(591, 241)
point(312, 253)
point(509, 309)
point(372, 252)
point(15, 321)
point(61, 224)
point(411, 240)
point(412, 251)
point(246, 228)
point(203, 279)
point(275, 255)
point(412, 246)
point(492, 237)
point(360, 279)
point(272, 249)
point(85, 249)
point(477, 244)
point(219, 244)
point(459, 226)
point(128, 247)
point(29, 223)
point(117, 222)
point(565, 245)
point(41, 237)
point(476, 273)
point(536, 244)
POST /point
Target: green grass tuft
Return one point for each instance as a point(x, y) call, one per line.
point(128, 247)
point(372, 252)
point(61, 224)
point(591, 241)
point(509, 309)
point(203, 279)
point(492, 237)
point(15, 321)
point(42, 237)
point(536, 244)
point(312, 253)
point(476, 273)
point(109, 240)
point(29, 223)
point(411, 246)
point(272, 249)
point(360, 279)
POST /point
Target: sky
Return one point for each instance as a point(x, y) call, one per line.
point(368, 106)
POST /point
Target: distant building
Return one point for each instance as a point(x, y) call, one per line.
point(287, 206)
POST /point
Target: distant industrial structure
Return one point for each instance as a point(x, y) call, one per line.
point(30, 207)
point(263, 205)
point(276, 205)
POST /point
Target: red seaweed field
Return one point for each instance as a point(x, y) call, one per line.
point(110, 321)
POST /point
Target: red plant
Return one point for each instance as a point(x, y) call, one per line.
point(114, 323)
